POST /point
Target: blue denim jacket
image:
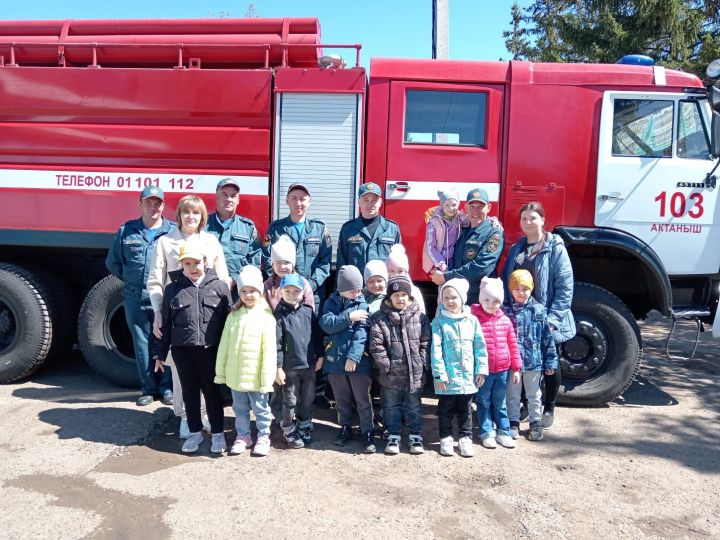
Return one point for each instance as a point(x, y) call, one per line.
point(537, 347)
point(553, 283)
point(345, 340)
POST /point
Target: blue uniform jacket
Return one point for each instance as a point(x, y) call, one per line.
point(534, 337)
point(554, 283)
point(239, 241)
point(476, 255)
point(313, 254)
point(345, 340)
point(131, 256)
point(357, 247)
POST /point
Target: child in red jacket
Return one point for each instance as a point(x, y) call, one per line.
point(503, 362)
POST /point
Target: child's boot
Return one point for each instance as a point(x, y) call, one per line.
point(344, 436)
point(536, 431)
point(393, 445)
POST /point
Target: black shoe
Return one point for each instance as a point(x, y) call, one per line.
point(167, 398)
point(305, 435)
point(369, 443)
point(293, 439)
point(523, 412)
point(344, 436)
point(536, 431)
point(142, 401)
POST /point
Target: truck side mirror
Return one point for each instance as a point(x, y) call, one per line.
point(714, 96)
point(715, 135)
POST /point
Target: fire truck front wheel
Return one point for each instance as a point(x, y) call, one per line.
point(603, 358)
point(25, 324)
point(103, 334)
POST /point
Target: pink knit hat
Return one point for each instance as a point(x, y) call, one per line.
point(397, 258)
point(491, 288)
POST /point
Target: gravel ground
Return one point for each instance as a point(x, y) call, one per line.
point(79, 460)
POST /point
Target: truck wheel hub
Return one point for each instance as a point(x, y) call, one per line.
point(7, 326)
point(586, 353)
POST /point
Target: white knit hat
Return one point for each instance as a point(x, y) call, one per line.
point(250, 276)
point(283, 250)
point(375, 267)
point(461, 285)
point(491, 288)
point(397, 258)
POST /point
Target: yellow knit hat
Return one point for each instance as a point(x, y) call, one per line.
point(521, 277)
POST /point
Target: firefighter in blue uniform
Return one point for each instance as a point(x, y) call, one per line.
point(129, 260)
point(311, 237)
point(237, 234)
point(368, 236)
point(479, 247)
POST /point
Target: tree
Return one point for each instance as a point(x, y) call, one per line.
point(678, 34)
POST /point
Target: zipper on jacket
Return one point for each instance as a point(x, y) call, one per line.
point(197, 303)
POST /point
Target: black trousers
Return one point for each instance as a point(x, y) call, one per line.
point(196, 371)
point(450, 407)
point(552, 388)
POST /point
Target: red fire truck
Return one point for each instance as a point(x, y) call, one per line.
point(93, 111)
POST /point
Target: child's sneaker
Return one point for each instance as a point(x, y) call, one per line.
point(489, 442)
point(466, 447)
point(548, 418)
point(193, 442)
point(385, 434)
point(515, 430)
point(305, 434)
point(184, 428)
point(393, 445)
point(416, 444)
point(369, 443)
point(293, 439)
point(505, 440)
point(344, 436)
point(536, 431)
point(262, 446)
point(242, 443)
point(217, 443)
point(446, 446)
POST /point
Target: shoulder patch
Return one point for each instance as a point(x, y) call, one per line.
point(267, 240)
point(493, 243)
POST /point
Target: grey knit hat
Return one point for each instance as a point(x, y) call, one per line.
point(349, 278)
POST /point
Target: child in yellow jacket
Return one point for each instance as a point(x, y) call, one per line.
point(247, 361)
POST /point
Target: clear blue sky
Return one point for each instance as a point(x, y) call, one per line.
point(389, 28)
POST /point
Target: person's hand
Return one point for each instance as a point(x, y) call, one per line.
point(552, 328)
point(516, 377)
point(319, 363)
point(437, 277)
point(157, 325)
point(549, 372)
point(159, 366)
point(479, 380)
point(442, 386)
point(358, 315)
point(280, 376)
point(350, 365)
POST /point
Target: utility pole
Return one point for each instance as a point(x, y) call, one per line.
point(441, 32)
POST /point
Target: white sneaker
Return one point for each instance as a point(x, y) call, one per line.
point(489, 442)
point(505, 440)
point(217, 443)
point(393, 445)
point(446, 446)
point(193, 442)
point(466, 447)
point(262, 446)
point(416, 445)
point(184, 428)
point(241, 444)
point(206, 424)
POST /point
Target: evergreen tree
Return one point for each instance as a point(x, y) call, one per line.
point(678, 34)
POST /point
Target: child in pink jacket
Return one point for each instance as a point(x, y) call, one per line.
point(504, 365)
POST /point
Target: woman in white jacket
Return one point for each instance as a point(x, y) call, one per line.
point(191, 216)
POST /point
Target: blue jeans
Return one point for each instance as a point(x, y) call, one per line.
point(260, 405)
point(492, 406)
point(395, 402)
point(139, 319)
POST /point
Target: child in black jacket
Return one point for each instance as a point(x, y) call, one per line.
point(194, 310)
point(299, 356)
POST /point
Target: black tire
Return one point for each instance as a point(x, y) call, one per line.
point(103, 334)
point(604, 357)
point(26, 328)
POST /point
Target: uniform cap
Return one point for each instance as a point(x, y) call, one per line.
point(152, 191)
point(298, 185)
point(369, 187)
point(292, 280)
point(227, 182)
point(478, 194)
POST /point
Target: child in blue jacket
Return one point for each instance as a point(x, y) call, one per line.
point(344, 320)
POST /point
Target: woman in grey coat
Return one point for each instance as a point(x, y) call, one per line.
point(544, 255)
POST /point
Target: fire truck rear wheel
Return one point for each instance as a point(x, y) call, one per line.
point(25, 324)
point(103, 334)
point(602, 360)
